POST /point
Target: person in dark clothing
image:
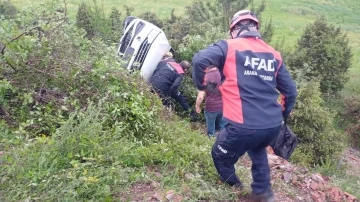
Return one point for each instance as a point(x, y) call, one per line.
point(213, 101)
point(166, 80)
point(253, 74)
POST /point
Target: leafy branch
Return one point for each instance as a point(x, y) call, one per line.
point(17, 37)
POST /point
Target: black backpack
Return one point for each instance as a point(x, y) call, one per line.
point(286, 142)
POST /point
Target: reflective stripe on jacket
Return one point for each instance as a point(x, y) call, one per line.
point(167, 76)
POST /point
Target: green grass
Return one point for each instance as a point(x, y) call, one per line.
point(347, 182)
point(160, 7)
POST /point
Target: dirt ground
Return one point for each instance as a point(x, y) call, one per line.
point(351, 159)
point(293, 184)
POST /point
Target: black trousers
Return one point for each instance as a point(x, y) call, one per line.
point(232, 143)
point(177, 96)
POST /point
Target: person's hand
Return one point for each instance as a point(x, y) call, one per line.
point(285, 118)
point(197, 109)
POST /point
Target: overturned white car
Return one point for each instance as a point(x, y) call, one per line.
point(142, 45)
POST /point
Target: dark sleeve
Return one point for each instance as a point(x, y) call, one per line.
point(213, 55)
point(158, 67)
point(176, 83)
point(287, 88)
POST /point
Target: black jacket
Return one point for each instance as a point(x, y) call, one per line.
point(167, 77)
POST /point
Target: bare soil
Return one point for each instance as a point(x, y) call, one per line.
point(290, 183)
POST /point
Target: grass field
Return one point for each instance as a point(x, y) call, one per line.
point(161, 7)
point(289, 18)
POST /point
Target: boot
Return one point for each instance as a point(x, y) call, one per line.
point(192, 116)
point(265, 196)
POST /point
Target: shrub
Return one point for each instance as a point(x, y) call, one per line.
point(323, 51)
point(51, 71)
point(152, 18)
point(93, 20)
point(88, 160)
point(83, 20)
point(177, 28)
point(116, 25)
point(77, 163)
point(101, 23)
point(193, 43)
point(313, 124)
point(219, 13)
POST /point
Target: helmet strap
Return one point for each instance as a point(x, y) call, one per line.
point(243, 27)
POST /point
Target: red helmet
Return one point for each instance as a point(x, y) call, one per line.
point(243, 15)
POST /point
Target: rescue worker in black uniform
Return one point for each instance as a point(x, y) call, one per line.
point(166, 80)
point(254, 74)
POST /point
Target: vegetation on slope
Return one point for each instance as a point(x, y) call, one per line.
point(76, 127)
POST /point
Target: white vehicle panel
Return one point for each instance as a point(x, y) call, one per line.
point(143, 46)
point(154, 56)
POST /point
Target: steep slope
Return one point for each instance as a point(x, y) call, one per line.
point(290, 184)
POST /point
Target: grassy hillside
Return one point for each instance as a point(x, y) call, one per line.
point(289, 18)
point(125, 144)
